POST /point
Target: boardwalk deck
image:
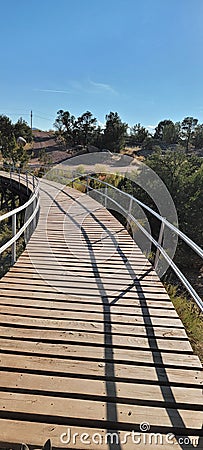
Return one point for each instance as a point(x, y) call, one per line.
point(90, 341)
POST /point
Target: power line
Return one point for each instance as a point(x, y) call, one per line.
point(44, 118)
point(44, 114)
point(28, 114)
point(15, 114)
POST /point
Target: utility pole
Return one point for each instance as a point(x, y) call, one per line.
point(31, 121)
point(31, 129)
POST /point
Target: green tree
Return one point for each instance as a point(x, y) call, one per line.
point(114, 132)
point(188, 126)
point(86, 125)
point(22, 129)
point(65, 124)
point(171, 133)
point(11, 152)
point(75, 131)
point(6, 133)
point(45, 157)
point(167, 132)
point(97, 138)
point(14, 154)
point(138, 134)
point(198, 137)
point(183, 176)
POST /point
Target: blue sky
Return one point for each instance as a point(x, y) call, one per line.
point(141, 58)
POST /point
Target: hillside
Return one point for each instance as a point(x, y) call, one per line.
point(46, 142)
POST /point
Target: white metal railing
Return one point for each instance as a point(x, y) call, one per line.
point(163, 221)
point(31, 184)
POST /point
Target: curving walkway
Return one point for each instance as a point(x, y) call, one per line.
point(90, 341)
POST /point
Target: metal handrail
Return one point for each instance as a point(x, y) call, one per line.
point(164, 222)
point(183, 236)
point(31, 183)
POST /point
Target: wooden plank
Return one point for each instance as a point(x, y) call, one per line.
point(96, 328)
point(130, 309)
point(137, 320)
point(42, 286)
point(80, 277)
point(138, 342)
point(73, 350)
point(116, 267)
point(95, 411)
point(74, 269)
point(128, 298)
point(126, 392)
point(87, 312)
point(93, 369)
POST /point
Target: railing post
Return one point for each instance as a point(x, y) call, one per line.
point(27, 181)
point(35, 217)
point(13, 253)
point(87, 184)
point(161, 233)
point(19, 178)
point(105, 198)
point(129, 212)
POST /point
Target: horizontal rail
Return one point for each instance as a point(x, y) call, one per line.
point(31, 183)
point(163, 220)
point(22, 229)
point(21, 208)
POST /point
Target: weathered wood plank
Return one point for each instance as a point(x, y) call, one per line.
point(86, 338)
point(96, 412)
point(100, 369)
point(126, 392)
point(128, 356)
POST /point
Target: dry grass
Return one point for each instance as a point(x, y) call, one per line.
point(192, 319)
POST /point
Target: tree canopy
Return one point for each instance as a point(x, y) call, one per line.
point(9, 133)
point(183, 176)
point(84, 130)
point(188, 127)
point(116, 134)
point(138, 134)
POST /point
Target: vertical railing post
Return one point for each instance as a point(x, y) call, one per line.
point(161, 233)
point(27, 181)
point(87, 184)
point(129, 212)
point(34, 203)
point(19, 178)
point(13, 253)
point(105, 198)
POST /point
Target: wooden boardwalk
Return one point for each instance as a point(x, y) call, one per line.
point(90, 341)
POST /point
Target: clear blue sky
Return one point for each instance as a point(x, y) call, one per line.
point(141, 58)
